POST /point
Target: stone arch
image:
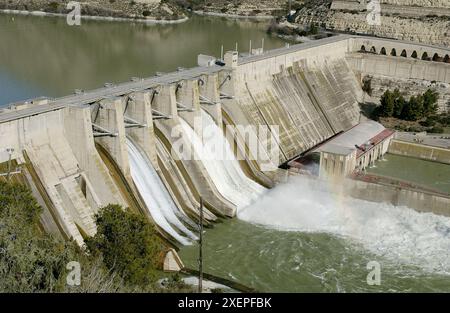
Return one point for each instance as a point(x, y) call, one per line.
point(447, 58)
point(414, 54)
point(393, 52)
point(363, 48)
point(437, 58)
point(383, 51)
point(404, 54)
point(373, 49)
point(425, 56)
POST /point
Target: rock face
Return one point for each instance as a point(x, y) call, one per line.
point(430, 30)
point(412, 20)
point(420, 3)
point(136, 9)
point(409, 87)
point(237, 7)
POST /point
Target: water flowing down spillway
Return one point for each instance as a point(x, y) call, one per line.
point(221, 164)
point(158, 200)
point(397, 233)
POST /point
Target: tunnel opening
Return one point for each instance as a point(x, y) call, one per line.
point(414, 54)
point(373, 50)
point(363, 49)
point(393, 52)
point(447, 58)
point(437, 58)
point(383, 51)
point(425, 57)
point(403, 54)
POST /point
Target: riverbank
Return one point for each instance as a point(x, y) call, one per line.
point(146, 11)
point(98, 18)
point(262, 9)
point(233, 16)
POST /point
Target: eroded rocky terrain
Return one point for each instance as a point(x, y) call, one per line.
point(420, 21)
point(136, 9)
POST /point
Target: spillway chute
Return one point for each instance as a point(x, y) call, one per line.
point(216, 154)
point(157, 198)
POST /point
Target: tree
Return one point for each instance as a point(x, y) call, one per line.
point(387, 104)
point(30, 260)
point(399, 103)
point(128, 244)
point(413, 110)
point(367, 86)
point(430, 106)
point(33, 261)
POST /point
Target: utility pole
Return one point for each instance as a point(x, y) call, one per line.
point(10, 151)
point(250, 48)
point(200, 246)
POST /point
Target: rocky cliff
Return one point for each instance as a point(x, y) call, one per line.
point(134, 9)
point(403, 19)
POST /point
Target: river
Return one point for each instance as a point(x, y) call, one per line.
point(317, 250)
point(43, 56)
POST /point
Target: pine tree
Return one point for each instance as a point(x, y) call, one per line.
point(430, 106)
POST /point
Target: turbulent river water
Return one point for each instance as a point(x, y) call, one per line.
point(300, 236)
point(296, 237)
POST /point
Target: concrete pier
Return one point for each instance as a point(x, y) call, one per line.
point(109, 116)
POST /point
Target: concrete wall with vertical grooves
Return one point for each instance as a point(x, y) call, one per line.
point(309, 102)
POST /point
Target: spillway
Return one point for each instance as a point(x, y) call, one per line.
point(158, 200)
point(216, 154)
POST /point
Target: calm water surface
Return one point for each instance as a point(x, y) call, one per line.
point(43, 56)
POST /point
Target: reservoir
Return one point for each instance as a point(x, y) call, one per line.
point(429, 174)
point(43, 56)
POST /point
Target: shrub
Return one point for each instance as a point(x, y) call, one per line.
point(128, 244)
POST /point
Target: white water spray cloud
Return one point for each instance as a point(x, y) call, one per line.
point(397, 233)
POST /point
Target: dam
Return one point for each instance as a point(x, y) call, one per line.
point(116, 144)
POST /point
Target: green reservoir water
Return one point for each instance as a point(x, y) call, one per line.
point(43, 56)
point(429, 174)
point(279, 261)
point(302, 237)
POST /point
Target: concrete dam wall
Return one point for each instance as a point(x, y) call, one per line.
point(309, 103)
point(99, 147)
point(420, 151)
point(59, 145)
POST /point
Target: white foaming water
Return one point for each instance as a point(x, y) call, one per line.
point(220, 162)
point(158, 200)
point(397, 233)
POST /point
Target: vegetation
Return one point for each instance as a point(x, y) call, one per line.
point(124, 255)
point(419, 113)
point(367, 86)
point(282, 30)
point(128, 243)
point(393, 104)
